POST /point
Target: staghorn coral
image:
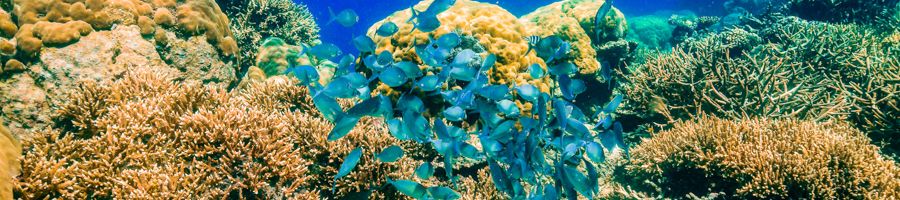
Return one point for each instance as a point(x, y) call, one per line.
point(146, 136)
point(761, 159)
point(495, 29)
point(573, 21)
point(10, 149)
point(876, 12)
point(786, 68)
point(253, 21)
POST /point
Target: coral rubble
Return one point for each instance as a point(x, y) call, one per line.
point(762, 159)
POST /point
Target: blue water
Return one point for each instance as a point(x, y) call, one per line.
point(371, 11)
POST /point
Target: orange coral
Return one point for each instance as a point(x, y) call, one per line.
point(10, 149)
point(763, 159)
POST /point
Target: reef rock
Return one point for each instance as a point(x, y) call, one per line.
point(28, 98)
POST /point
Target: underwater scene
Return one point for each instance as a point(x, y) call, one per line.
point(450, 99)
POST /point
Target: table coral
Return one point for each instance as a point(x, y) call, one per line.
point(497, 30)
point(573, 21)
point(762, 159)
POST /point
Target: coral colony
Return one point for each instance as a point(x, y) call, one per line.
point(449, 99)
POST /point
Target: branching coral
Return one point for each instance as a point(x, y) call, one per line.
point(786, 68)
point(147, 137)
point(255, 20)
point(762, 159)
point(857, 11)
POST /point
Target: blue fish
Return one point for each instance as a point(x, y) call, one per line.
point(410, 188)
point(562, 69)
point(398, 129)
point(488, 63)
point(349, 163)
point(442, 193)
point(426, 24)
point(463, 73)
point(410, 103)
point(364, 44)
point(305, 73)
point(387, 29)
point(390, 154)
point(494, 92)
point(325, 51)
point(600, 17)
point(429, 83)
point(613, 104)
point(463, 58)
point(326, 105)
point(411, 69)
point(508, 108)
point(528, 92)
point(346, 18)
point(536, 71)
point(340, 88)
point(425, 171)
point(448, 41)
point(393, 77)
point(343, 126)
point(454, 113)
point(368, 107)
point(594, 151)
point(346, 64)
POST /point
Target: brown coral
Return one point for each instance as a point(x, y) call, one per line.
point(762, 159)
point(146, 136)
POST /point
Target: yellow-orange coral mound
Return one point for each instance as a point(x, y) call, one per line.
point(573, 21)
point(763, 159)
point(148, 137)
point(9, 162)
point(497, 30)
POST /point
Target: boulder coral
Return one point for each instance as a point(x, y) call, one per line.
point(495, 29)
point(573, 21)
point(48, 46)
point(10, 150)
point(761, 159)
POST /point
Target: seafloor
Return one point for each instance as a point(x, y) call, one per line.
point(449, 99)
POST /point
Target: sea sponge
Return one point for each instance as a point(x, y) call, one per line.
point(497, 30)
point(573, 21)
point(265, 141)
point(761, 159)
point(254, 21)
point(52, 33)
point(10, 149)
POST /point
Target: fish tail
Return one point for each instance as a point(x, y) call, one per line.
point(332, 15)
point(415, 14)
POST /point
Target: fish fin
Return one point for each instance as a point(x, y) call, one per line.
point(332, 15)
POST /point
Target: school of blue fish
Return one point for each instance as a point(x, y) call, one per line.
point(555, 140)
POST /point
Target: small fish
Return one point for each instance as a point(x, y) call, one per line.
point(508, 108)
point(410, 103)
point(463, 73)
point(562, 113)
point(500, 178)
point(454, 113)
point(393, 77)
point(561, 69)
point(532, 42)
point(536, 71)
point(448, 41)
point(488, 63)
point(397, 129)
point(411, 69)
point(325, 51)
point(426, 24)
point(594, 151)
point(387, 29)
point(613, 104)
point(410, 188)
point(528, 92)
point(347, 63)
point(342, 127)
point(390, 154)
point(463, 58)
point(600, 17)
point(326, 105)
point(305, 73)
point(442, 193)
point(364, 44)
point(494, 92)
point(346, 18)
point(368, 107)
point(349, 163)
point(429, 83)
point(425, 171)
point(356, 79)
point(340, 88)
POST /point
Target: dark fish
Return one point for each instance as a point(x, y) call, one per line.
point(601, 16)
point(346, 18)
point(390, 154)
point(387, 29)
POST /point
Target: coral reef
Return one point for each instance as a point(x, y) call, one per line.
point(48, 46)
point(785, 68)
point(573, 21)
point(10, 149)
point(876, 12)
point(761, 159)
point(651, 32)
point(497, 30)
point(145, 136)
point(253, 21)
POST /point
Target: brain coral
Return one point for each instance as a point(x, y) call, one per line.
point(497, 30)
point(573, 21)
point(146, 136)
point(255, 20)
point(762, 159)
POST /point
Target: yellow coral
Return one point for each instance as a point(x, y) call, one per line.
point(573, 21)
point(10, 149)
point(495, 28)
